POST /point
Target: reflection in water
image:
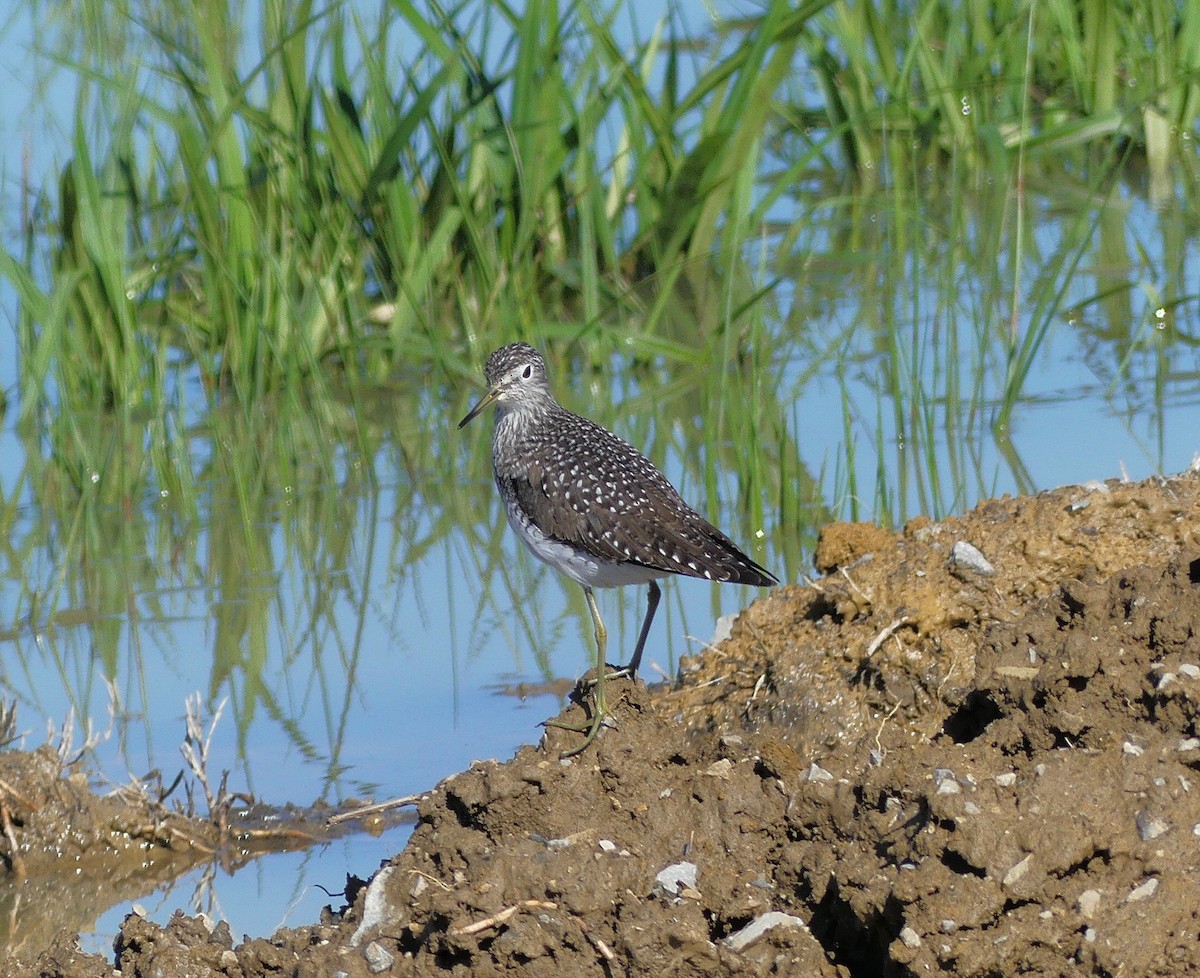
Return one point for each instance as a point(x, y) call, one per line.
point(336, 565)
point(301, 556)
point(70, 854)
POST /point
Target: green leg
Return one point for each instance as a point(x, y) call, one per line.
point(599, 702)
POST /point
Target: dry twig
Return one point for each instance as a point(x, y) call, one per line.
point(496, 919)
point(376, 808)
point(883, 636)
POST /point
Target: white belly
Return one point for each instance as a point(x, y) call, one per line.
point(576, 564)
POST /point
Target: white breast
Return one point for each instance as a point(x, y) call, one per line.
point(576, 564)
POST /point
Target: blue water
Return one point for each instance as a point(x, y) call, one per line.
point(387, 695)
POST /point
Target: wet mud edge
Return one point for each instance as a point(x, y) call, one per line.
point(969, 748)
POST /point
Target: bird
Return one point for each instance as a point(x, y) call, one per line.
point(589, 504)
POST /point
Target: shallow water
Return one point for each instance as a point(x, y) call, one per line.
point(378, 674)
point(363, 623)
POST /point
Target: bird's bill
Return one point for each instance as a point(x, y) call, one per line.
point(483, 403)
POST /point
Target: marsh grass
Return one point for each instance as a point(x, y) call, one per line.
point(260, 196)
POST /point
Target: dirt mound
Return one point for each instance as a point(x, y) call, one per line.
point(969, 749)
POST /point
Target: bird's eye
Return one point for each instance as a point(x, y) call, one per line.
point(528, 371)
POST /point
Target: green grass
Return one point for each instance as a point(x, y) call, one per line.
point(292, 219)
point(263, 207)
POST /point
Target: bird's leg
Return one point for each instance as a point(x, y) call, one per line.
point(630, 671)
point(599, 700)
point(599, 703)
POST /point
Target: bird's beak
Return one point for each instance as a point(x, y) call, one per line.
point(483, 402)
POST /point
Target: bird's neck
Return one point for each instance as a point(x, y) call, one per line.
point(518, 426)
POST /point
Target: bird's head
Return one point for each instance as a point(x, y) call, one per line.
point(516, 376)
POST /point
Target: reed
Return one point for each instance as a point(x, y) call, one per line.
point(298, 204)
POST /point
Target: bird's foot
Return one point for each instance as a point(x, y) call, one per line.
point(600, 712)
point(590, 729)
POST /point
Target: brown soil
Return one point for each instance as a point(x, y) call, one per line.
point(916, 764)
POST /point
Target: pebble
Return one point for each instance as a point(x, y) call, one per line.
point(1190, 669)
point(607, 845)
point(1019, 870)
point(720, 769)
point(909, 937)
point(378, 957)
point(946, 783)
point(1087, 902)
point(676, 877)
point(377, 911)
point(741, 939)
point(1143, 892)
point(966, 559)
point(817, 773)
point(1006, 780)
point(1188, 744)
point(1150, 826)
point(1133, 749)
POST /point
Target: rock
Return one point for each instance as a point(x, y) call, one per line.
point(967, 561)
point(1087, 902)
point(1143, 892)
point(1150, 826)
point(378, 958)
point(676, 877)
point(1017, 871)
point(741, 939)
point(378, 912)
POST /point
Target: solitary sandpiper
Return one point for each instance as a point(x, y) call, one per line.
point(592, 506)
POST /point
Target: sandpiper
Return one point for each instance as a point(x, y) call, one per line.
point(592, 506)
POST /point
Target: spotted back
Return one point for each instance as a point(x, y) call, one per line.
point(583, 486)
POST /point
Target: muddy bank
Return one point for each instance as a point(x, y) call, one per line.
point(65, 847)
point(67, 853)
point(969, 748)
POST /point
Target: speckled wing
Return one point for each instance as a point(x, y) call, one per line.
point(592, 490)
